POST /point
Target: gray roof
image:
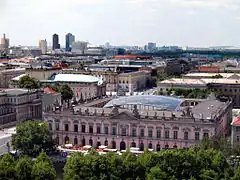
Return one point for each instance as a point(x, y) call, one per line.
point(208, 109)
point(16, 91)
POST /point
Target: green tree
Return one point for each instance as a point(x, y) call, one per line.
point(156, 173)
point(67, 93)
point(32, 137)
point(43, 168)
point(75, 167)
point(24, 168)
point(7, 168)
point(237, 173)
point(28, 82)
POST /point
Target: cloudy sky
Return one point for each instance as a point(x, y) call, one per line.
point(123, 22)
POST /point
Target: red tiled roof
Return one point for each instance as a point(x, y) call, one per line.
point(236, 121)
point(48, 90)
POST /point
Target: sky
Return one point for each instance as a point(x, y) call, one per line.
point(198, 23)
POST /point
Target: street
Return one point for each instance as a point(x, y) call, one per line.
point(5, 136)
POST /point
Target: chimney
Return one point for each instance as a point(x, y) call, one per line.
point(4, 36)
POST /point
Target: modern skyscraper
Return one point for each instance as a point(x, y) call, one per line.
point(4, 45)
point(56, 44)
point(152, 46)
point(43, 46)
point(70, 38)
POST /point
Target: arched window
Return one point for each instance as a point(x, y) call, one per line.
point(122, 145)
point(75, 140)
point(175, 146)
point(113, 145)
point(66, 140)
point(106, 142)
point(83, 142)
point(141, 147)
point(90, 142)
point(133, 144)
point(158, 147)
point(150, 145)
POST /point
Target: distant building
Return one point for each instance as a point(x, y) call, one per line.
point(56, 44)
point(8, 74)
point(17, 105)
point(69, 40)
point(50, 99)
point(79, 47)
point(95, 51)
point(152, 46)
point(43, 46)
point(4, 45)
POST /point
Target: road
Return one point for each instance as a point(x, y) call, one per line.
point(5, 136)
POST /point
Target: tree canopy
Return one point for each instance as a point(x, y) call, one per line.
point(28, 82)
point(32, 137)
point(66, 92)
point(25, 168)
point(193, 163)
point(43, 168)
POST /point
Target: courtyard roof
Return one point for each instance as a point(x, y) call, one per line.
point(162, 102)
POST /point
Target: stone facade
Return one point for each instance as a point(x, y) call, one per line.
point(121, 128)
point(17, 105)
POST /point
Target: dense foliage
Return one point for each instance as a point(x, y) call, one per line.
point(190, 93)
point(25, 168)
point(28, 82)
point(182, 164)
point(32, 137)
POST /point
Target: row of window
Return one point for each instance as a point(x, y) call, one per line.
point(112, 144)
point(133, 133)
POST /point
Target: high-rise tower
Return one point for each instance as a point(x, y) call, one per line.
point(55, 44)
point(70, 38)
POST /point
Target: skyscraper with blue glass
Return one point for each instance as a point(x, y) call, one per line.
point(69, 40)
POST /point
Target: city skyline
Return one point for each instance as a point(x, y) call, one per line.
point(199, 23)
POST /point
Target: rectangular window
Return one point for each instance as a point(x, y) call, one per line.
point(158, 133)
point(98, 130)
point(175, 134)
point(75, 128)
point(238, 129)
point(90, 129)
point(57, 126)
point(50, 126)
point(197, 136)
point(167, 134)
point(106, 130)
point(134, 133)
point(83, 128)
point(124, 132)
point(114, 131)
point(150, 132)
point(66, 127)
point(142, 133)
point(185, 135)
point(237, 139)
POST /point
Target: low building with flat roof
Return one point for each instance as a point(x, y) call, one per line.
point(228, 87)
